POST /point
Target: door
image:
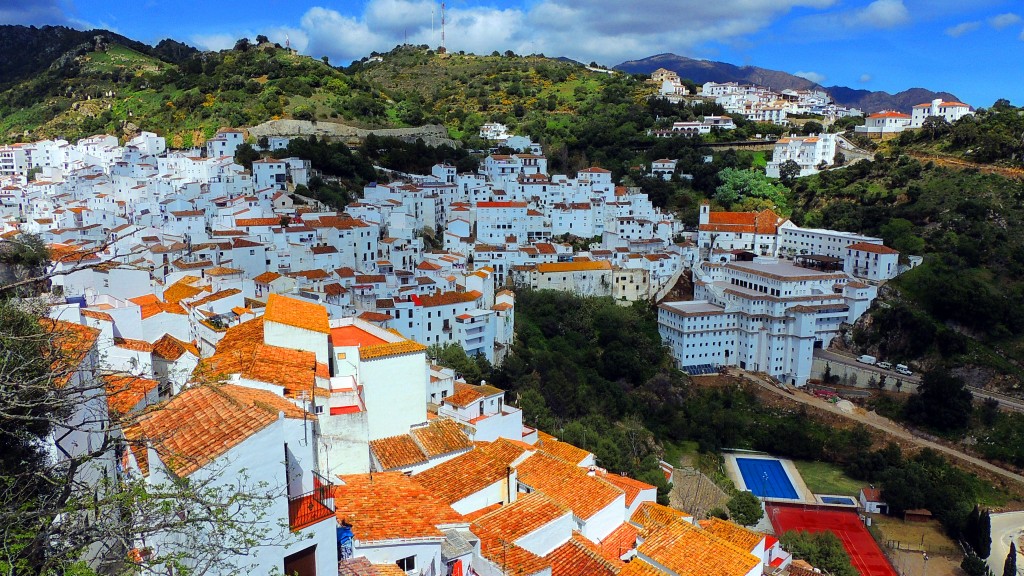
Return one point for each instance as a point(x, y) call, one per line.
point(302, 563)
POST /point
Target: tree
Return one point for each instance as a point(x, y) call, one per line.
point(822, 550)
point(942, 402)
point(245, 155)
point(745, 508)
point(974, 566)
point(788, 172)
point(1010, 565)
point(61, 498)
point(261, 39)
point(984, 548)
point(935, 126)
point(242, 45)
point(813, 127)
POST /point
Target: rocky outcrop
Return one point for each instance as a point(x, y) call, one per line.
point(432, 134)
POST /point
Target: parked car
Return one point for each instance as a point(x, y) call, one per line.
point(865, 359)
point(884, 365)
point(902, 369)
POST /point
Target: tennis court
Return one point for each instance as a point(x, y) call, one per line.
point(864, 553)
point(766, 478)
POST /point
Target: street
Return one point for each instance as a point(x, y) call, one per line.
point(1005, 527)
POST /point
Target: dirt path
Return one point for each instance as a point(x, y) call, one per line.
point(959, 164)
point(889, 427)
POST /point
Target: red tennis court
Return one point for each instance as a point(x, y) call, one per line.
point(864, 553)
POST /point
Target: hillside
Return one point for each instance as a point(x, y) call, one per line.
point(701, 71)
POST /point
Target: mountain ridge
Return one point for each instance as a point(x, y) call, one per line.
point(701, 71)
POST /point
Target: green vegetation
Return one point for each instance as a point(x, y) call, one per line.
point(826, 478)
point(823, 550)
point(745, 508)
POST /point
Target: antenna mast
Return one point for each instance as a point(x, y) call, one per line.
point(443, 49)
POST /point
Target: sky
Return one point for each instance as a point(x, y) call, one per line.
point(972, 48)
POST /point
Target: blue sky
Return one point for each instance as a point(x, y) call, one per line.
point(972, 48)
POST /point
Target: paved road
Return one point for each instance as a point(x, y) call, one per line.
point(1005, 402)
point(883, 424)
point(1005, 527)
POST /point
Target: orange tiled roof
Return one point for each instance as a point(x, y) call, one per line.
point(442, 436)
point(170, 348)
point(568, 485)
point(527, 514)
point(125, 392)
point(561, 450)
point(361, 566)
point(179, 291)
point(630, 486)
point(689, 551)
point(637, 567)
point(97, 315)
point(738, 535)
point(650, 517)
point(462, 476)
point(396, 452)
point(266, 277)
point(215, 296)
point(582, 266)
point(467, 394)
point(515, 560)
point(448, 298)
point(390, 506)
point(70, 344)
point(150, 305)
point(204, 422)
point(297, 313)
point(376, 351)
point(872, 248)
point(135, 345)
point(581, 557)
point(620, 541)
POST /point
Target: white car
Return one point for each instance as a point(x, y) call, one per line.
point(884, 365)
point(902, 369)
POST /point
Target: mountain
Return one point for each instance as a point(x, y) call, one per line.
point(26, 51)
point(701, 71)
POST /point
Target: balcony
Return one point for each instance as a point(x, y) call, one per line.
point(315, 506)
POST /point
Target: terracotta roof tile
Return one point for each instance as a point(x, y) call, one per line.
point(396, 452)
point(526, 515)
point(377, 351)
point(97, 315)
point(619, 541)
point(581, 557)
point(873, 248)
point(466, 394)
point(568, 484)
point(449, 298)
point(70, 344)
point(739, 536)
point(126, 392)
point(170, 348)
point(204, 422)
point(561, 450)
point(297, 313)
point(637, 567)
point(390, 506)
point(630, 486)
point(442, 436)
point(466, 474)
point(267, 277)
point(135, 345)
point(554, 267)
point(650, 517)
point(180, 290)
point(689, 551)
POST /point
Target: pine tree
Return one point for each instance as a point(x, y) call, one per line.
point(1010, 566)
point(985, 534)
point(971, 528)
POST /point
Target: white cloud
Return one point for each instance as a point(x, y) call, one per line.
point(214, 41)
point(812, 76)
point(1003, 20)
point(864, 78)
point(45, 12)
point(962, 28)
point(608, 31)
point(877, 14)
point(883, 14)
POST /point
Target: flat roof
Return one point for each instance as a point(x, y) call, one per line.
point(354, 336)
point(693, 307)
point(781, 270)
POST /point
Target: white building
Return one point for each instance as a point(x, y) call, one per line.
point(810, 152)
point(885, 122)
point(950, 111)
point(224, 143)
point(766, 316)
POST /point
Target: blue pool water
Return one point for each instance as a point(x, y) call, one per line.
point(766, 478)
point(839, 500)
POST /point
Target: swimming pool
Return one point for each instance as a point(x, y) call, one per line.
point(844, 500)
point(766, 478)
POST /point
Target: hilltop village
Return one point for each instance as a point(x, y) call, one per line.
point(176, 269)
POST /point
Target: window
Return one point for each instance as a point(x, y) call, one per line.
point(407, 564)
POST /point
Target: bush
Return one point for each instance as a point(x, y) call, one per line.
point(823, 550)
point(745, 509)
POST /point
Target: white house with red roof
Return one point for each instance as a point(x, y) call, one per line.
point(950, 111)
point(871, 261)
point(884, 122)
